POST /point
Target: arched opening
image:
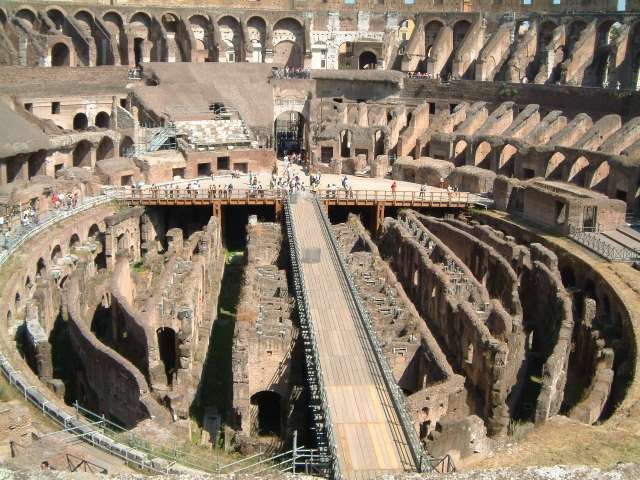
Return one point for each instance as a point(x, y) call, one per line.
point(269, 413)
point(56, 17)
point(126, 147)
point(28, 283)
point(367, 61)
point(289, 133)
point(460, 30)
point(201, 27)
point(554, 170)
point(459, 153)
point(167, 347)
point(80, 121)
point(105, 149)
point(599, 179)
point(231, 45)
point(288, 43)
point(36, 163)
point(506, 162)
point(170, 23)
point(481, 158)
point(122, 242)
point(545, 34)
point(41, 268)
point(345, 54)
point(56, 254)
point(94, 231)
point(379, 142)
point(469, 353)
point(16, 301)
point(138, 50)
point(82, 154)
point(113, 22)
point(60, 55)
point(103, 120)
point(573, 35)
point(257, 30)
point(27, 16)
point(346, 137)
point(430, 34)
point(74, 241)
point(578, 172)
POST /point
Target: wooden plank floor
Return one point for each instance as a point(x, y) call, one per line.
point(368, 434)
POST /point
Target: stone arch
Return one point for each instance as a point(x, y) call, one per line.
point(113, 18)
point(141, 18)
point(27, 15)
point(200, 27)
point(60, 55)
point(345, 52)
point(459, 152)
point(170, 21)
point(554, 170)
point(460, 29)
point(41, 268)
point(431, 31)
point(82, 154)
point(406, 28)
point(578, 171)
point(600, 176)
point(483, 149)
point(105, 149)
point(231, 39)
point(57, 16)
point(367, 60)
point(103, 120)
point(126, 145)
point(257, 32)
point(574, 29)
point(56, 254)
point(568, 277)
point(506, 160)
point(74, 241)
point(545, 33)
point(167, 349)
point(269, 410)
point(80, 121)
point(94, 231)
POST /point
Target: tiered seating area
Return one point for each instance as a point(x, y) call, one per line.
point(205, 134)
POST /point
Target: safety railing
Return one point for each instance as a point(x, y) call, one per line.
point(422, 460)
point(321, 413)
point(343, 196)
point(591, 238)
point(45, 220)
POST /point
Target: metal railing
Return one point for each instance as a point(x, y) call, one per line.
point(45, 220)
point(590, 237)
point(321, 413)
point(399, 197)
point(422, 460)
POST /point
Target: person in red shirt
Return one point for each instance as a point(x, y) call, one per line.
point(394, 185)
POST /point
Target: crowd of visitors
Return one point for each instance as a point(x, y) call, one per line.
point(291, 73)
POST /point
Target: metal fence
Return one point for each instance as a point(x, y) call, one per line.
point(320, 413)
point(422, 460)
point(592, 239)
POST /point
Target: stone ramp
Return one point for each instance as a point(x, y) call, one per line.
point(368, 433)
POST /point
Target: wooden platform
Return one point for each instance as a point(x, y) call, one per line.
point(368, 434)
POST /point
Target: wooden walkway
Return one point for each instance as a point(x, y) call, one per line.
point(368, 434)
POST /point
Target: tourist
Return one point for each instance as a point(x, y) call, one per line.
point(394, 186)
point(423, 189)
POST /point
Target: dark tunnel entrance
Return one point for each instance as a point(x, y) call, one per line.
point(268, 413)
point(167, 347)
